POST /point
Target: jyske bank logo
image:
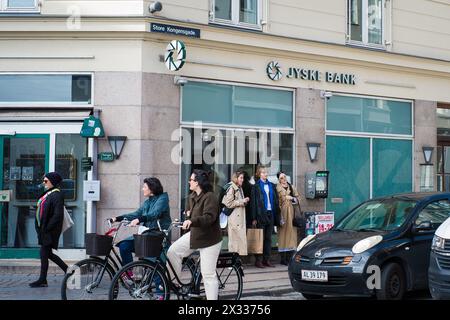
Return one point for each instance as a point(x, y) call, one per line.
point(175, 55)
point(274, 71)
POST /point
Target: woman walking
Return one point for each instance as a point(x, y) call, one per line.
point(265, 213)
point(287, 233)
point(48, 224)
point(204, 235)
point(235, 199)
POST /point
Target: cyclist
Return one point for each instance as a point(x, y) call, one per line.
point(155, 208)
point(204, 235)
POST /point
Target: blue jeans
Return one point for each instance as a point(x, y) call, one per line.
point(126, 248)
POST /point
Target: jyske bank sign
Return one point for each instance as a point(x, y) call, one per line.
point(275, 72)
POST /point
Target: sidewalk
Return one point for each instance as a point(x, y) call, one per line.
point(16, 274)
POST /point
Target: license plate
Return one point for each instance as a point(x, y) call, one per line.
point(315, 275)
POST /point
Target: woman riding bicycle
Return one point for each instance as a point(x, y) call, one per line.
point(205, 234)
point(155, 208)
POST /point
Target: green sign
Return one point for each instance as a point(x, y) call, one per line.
point(106, 156)
point(92, 128)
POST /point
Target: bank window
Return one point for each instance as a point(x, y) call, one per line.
point(368, 115)
point(237, 105)
point(244, 13)
point(366, 22)
point(45, 88)
point(19, 6)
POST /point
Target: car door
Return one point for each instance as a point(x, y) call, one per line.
point(435, 212)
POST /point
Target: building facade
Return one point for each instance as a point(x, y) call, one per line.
point(368, 80)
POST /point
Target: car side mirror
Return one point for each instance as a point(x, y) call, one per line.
point(423, 226)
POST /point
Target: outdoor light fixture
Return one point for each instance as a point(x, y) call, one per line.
point(155, 7)
point(312, 150)
point(116, 143)
point(427, 153)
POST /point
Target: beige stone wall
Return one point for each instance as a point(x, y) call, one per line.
point(310, 127)
point(425, 134)
point(145, 108)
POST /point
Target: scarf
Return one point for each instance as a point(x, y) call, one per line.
point(261, 185)
point(41, 204)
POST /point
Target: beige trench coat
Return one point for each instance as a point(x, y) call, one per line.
point(287, 233)
point(237, 232)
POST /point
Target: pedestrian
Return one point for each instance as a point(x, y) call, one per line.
point(48, 224)
point(235, 199)
point(287, 233)
point(154, 208)
point(205, 235)
point(265, 213)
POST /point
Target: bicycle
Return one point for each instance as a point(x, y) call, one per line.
point(150, 279)
point(86, 280)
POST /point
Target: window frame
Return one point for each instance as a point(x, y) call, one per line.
point(235, 6)
point(4, 8)
point(365, 28)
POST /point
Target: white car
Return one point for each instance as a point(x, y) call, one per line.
point(439, 270)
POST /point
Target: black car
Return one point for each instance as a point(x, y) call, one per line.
point(381, 247)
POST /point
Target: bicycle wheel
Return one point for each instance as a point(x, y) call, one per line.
point(230, 283)
point(140, 280)
point(90, 279)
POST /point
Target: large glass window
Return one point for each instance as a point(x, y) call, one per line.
point(365, 21)
point(45, 88)
point(345, 113)
point(237, 105)
point(19, 6)
point(244, 13)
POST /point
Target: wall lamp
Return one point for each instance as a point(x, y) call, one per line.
point(313, 148)
point(116, 143)
point(427, 154)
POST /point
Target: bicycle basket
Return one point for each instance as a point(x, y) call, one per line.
point(98, 245)
point(148, 244)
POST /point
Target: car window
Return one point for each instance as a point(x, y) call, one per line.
point(436, 212)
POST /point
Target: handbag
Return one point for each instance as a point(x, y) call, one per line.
point(228, 211)
point(299, 219)
point(255, 241)
point(67, 222)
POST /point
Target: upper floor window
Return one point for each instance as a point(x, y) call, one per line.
point(243, 13)
point(19, 6)
point(366, 22)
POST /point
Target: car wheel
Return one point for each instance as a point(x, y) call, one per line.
point(312, 296)
point(392, 282)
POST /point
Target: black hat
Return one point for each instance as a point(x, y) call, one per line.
point(54, 178)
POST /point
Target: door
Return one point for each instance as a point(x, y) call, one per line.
point(24, 159)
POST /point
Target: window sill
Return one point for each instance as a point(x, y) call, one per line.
point(236, 26)
point(368, 46)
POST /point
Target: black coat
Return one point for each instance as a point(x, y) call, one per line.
point(258, 209)
point(52, 220)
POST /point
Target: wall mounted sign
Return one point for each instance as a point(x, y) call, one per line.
point(92, 128)
point(176, 30)
point(106, 156)
point(275, 72)
point(5, 195)
point(91, 190)
point(175, 55)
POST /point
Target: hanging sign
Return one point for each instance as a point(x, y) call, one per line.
point(92, 128)
point(175, 55)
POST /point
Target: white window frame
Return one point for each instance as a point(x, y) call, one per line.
point(4, 8)
point(365, 27)
point(235, 16)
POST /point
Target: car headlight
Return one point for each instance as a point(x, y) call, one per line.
point(366, 244)
point(438, 243)
point(305, 241)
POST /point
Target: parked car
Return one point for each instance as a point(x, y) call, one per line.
point(439, 270)
point(381, 247)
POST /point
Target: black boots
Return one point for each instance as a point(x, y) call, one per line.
point(38, 284)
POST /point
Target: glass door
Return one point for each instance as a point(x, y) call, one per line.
point(24, 159)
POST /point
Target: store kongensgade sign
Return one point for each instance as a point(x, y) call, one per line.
point(355, 308)
point(174, 30)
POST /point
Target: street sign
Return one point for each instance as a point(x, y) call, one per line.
point(91, 190)
point(86, 164)
point(106, 156)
